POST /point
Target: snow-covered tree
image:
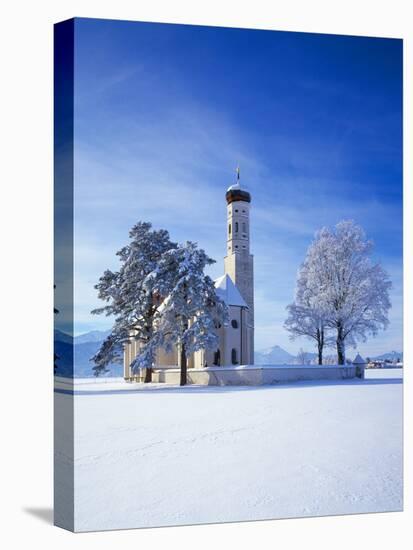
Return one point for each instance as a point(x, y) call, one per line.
point(306, 317)
point(132, 298)
point(303, 357)
point(191, 310)
point(304, 321)
point(343, 282)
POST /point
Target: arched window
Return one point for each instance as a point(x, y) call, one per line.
point(236, 227)
point(229, 229)
point(217, 358)
point(234, 323)
point(234, 356)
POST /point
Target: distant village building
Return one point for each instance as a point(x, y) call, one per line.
point(235, 288)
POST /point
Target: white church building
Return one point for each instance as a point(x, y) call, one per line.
point(235, 287)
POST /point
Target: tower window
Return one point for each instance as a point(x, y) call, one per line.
point(236, 246)
point(234, 356)
point(236, 227)
point(229, 229)
point(236, 210)
point(244, 227)
point(234, 323)
point(217, 357)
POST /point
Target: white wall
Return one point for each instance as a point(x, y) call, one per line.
point(250, 375)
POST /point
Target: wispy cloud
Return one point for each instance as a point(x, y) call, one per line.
point(152, 176)
point(157, 140)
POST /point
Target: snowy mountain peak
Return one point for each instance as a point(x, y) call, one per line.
point(274, 356)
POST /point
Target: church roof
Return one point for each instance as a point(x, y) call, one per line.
point(228, 292)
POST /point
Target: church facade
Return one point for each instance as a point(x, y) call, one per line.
point(235, 287)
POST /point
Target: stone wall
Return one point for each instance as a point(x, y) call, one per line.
point(259, 375)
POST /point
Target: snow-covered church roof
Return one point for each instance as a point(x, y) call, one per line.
point(228, 292)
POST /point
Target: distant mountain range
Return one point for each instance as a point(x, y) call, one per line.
point(278, 356)
point(92, 336)
point(390, 356)
point(84, 348)
point(86, 345)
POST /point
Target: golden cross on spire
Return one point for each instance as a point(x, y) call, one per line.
point(237, 170)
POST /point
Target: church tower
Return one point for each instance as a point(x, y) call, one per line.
point(239, 264)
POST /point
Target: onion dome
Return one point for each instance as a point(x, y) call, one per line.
point(235, 193)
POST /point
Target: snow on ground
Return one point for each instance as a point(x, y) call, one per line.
point(169, 455)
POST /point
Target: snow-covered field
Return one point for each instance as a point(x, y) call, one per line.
point(166, 456)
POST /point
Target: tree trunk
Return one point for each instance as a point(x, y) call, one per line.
point(183, 362)
point(341, 354)
point(320, 355)
point(148, 375)
point(320, 345)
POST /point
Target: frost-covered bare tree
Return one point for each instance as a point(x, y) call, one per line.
point(303, 357)
point(345, 284)
point(304, 321)
point(192, 309)
point(132, 297)
point(305, 316)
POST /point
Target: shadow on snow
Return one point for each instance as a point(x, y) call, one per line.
point(192, 388)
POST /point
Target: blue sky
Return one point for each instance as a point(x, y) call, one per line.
point(164, 113)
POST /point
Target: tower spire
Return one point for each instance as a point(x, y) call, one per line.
point(238, 172)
